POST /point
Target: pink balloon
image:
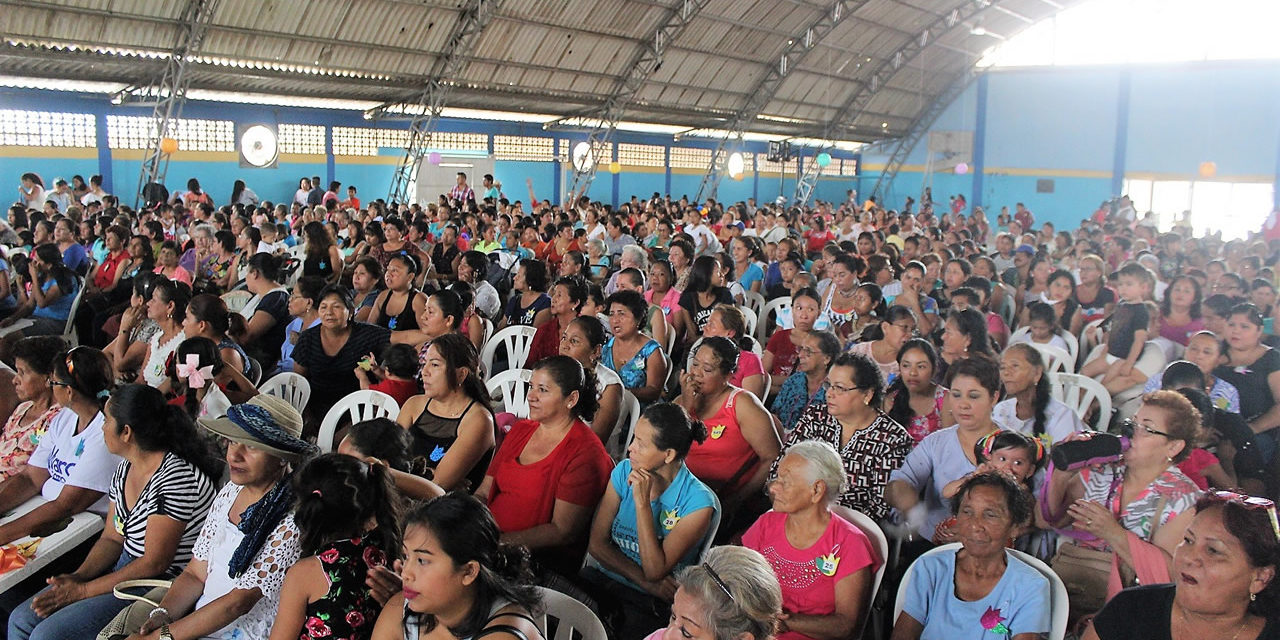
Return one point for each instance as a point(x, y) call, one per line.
point(434, 157)
point(962, 169)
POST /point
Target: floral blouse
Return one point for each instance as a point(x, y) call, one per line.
point(348, 610)
point(20, 439)
point(921, 426)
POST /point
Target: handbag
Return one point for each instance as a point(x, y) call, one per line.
point(130, 619)
point(1085, 573)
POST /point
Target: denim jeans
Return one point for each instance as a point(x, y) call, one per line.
point(78, 620)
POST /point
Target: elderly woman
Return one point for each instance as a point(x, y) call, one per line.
point(980, 587)
point(946, 454)
point(871, 445)
point(196, 259)
point(1134, 512)
point(1226, 568)
point(732, 595)
point(655, 515)
point(1029, 408)
point(633, 256)
point(831, 603)
point(328, 353)
point(781, 352)
point(33, 366)
point(808, 385)
point(231, 587)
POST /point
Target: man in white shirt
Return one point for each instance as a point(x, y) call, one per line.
point(779, 230)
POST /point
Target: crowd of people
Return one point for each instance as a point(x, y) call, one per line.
point(799, 372)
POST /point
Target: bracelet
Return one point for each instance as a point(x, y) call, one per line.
point(159, 610)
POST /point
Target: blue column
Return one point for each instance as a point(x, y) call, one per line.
point(1118, 161)
point(616, 177)
point(979, 142)
point(755, 178)
point(557, 174)
point(666, 161)
point(1276, 189)
point(329, 164)
point(104, 149)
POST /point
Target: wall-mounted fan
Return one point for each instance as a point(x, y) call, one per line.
point(258, 147)
point(582, 158)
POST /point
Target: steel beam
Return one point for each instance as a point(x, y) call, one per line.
point(919, 128)
point(643, 64)
point(764, 91)
point(476, 15)
point(170, 89)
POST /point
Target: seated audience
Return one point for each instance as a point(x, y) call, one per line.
point(808, 385)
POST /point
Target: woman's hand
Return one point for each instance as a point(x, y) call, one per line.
point(32, 270)
point(129, 319)
point(383, 582)
point(63, 590)
point(153, 624)
point(664, 589)
point(641, 481)
point(1095, 519)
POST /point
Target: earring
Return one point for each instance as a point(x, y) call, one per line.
point(1253, 597)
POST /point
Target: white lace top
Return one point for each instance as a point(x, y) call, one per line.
point(153, 371)
point(218, 541)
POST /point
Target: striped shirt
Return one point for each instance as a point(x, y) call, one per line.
point(177, 490)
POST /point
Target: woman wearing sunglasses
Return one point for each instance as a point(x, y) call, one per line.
point(1126, 519)
point(1224, 579)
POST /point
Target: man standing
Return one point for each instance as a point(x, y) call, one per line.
point(492, 190)
point(316, 195)
point(1024, 216)
point(461, 191)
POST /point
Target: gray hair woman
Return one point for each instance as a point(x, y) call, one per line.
point(201, 252)
point(732, 595)
point(832, 602)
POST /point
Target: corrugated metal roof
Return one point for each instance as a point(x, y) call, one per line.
point(552, 56)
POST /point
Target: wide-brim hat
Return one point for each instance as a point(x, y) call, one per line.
point(265, 422)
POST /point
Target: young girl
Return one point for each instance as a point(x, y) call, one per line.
point(347, 514)
point(1043, 328)
point(1005, 451)
point(1125, 339)
point(198, 379)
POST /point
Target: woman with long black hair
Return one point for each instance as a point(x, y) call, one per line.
point(1028, 407)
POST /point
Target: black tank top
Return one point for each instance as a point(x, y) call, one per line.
point(407, 320)
point(431, 438)
point(322, 267)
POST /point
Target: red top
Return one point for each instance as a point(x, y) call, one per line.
point(523, 496)
point(725, 461)
point(784, 353)
point(401, 390)
point(816, 240)
point(106, 273)
point(546, 342)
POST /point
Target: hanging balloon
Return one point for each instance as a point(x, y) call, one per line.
point(168, 145)
point(615, 167)
point(434, 157)
point(962, 169)
point(1208, 169)
point(824, 159)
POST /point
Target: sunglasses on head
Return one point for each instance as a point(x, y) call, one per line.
point(1253, 503)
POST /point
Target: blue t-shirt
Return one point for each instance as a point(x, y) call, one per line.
point(1019, 602)
point(753, 274)
point(76, 258)
point(60, 308)
point(1224, 395)
point(934, 463)
point(685, 495)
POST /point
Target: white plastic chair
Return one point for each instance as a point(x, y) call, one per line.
point(1073, 345)
point(290, 387)
point(752, 318)
point(754, 301)
point(236, 300)
point(510, 389)
point(362, 405)
point(1055, 360)
point(1078, 392)
point(1057, 590)
point(628, 416)
point(518, 340)
point(765, 324)
point(881, 542)
point(570, 616)
point(68, 331)
point(488, 329)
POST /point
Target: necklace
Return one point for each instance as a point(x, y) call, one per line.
point(1186, 621)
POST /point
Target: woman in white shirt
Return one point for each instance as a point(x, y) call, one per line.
point(583, 340)
point(231, 587)
point(71, 468)
point(1028, 407)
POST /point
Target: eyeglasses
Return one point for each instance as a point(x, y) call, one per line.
point(719, 582)
point(835, 389)
point(58, 383)
point(1253, 503)
point(909, 328)
point(1129, 426)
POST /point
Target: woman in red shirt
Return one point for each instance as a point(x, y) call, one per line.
point(817, 237)
point(548, 475)
point(567, 297)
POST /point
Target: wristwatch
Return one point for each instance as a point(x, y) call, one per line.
point(164, 632)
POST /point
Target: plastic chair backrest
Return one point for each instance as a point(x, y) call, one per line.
point(290, 387)
point(1058, 608)
point(518, 339)
point(771, 308)
point(255, 371)
point(570, 616)
point(365, 404)
point(754, 302)
point(1055, 360)
point(1073, 345)
point(877, 537)
point(1078, 392)
point(488, 329)
point(628, 416)
point(69, 331)
point(511, 391)
point(752, 318)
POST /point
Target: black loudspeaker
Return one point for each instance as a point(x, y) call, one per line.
point(1044, 186)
